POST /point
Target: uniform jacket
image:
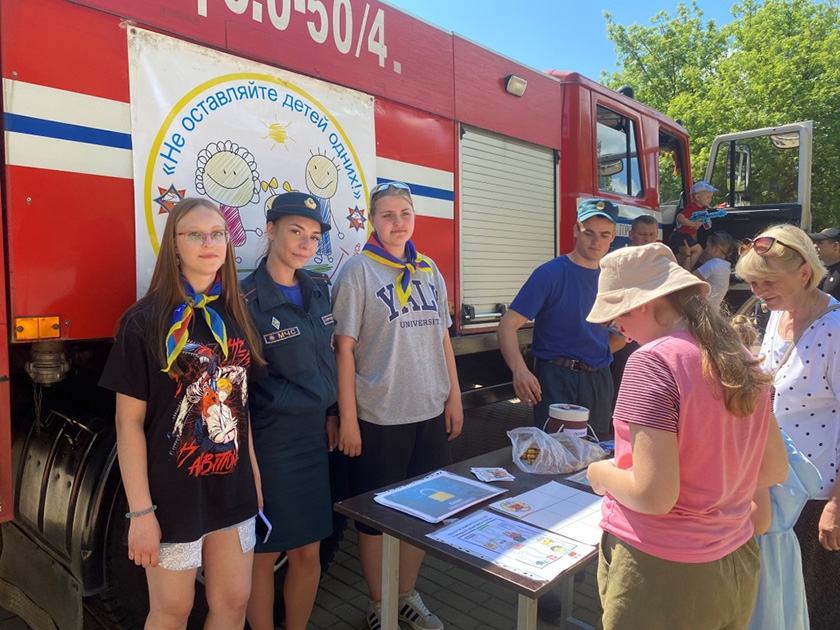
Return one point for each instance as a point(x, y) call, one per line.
point(296, 344)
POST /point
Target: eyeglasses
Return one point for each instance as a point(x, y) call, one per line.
point(761, 245)
point(217, 237)
point(386, 185)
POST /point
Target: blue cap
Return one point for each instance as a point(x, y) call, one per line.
point(702, 186)
point(597, 208)
point(297, 204)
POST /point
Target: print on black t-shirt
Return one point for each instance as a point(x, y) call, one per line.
point(209, 420)
point(196, 424)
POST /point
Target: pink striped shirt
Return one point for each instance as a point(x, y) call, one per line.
point(719, 455)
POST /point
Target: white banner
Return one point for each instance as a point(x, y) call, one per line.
point(208, 124)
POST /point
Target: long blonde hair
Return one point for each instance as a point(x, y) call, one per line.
point(725, 360)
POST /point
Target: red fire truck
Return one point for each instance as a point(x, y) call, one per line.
point(498, 157)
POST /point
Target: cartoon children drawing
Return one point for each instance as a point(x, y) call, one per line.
point(227, 174)
point(322, 182)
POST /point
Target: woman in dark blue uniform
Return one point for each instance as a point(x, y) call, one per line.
point(293, 410)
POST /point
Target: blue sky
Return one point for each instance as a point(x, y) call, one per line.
point(549, 34)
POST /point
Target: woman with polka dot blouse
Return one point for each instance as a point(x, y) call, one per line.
point(783, 269)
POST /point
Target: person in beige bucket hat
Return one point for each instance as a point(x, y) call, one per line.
point(694, 438)
point(633, 276)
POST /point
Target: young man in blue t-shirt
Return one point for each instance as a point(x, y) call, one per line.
point(572, 355)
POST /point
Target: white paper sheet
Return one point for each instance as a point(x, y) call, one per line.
point(558, 508)
point(518, 547)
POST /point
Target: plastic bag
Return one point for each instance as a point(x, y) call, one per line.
point(535, 451)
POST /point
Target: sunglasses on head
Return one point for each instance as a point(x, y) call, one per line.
point(761, 245)
point(386, 185)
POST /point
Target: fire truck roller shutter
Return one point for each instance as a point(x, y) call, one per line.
point(508, 216)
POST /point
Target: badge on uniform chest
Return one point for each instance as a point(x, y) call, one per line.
point(276, 323)
point(282, 335)
point(328, 319)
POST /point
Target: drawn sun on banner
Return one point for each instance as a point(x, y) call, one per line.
point(208, 124)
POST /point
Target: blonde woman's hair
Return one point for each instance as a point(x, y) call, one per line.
point(725, 360)
point(797, 248)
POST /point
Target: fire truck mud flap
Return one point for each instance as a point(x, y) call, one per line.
point(35, 587)
point(65, 480)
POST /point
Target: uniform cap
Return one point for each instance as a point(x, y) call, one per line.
point(296, 204)
point(597, 208)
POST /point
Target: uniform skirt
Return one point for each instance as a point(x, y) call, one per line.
point(294, 468)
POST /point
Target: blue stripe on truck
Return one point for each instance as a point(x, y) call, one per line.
point(65, 131)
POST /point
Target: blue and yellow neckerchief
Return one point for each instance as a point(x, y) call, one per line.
point(178, 333)
point(414, 262)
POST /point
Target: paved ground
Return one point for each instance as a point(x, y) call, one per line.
point(462, 600)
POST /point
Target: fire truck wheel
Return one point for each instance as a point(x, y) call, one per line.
point(125, 603)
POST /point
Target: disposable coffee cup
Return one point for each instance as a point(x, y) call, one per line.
point(571, 419)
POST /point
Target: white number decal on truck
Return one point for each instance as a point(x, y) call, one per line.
point(319, 23)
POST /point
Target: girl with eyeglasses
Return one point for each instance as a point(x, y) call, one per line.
point(180, 367)
point(398, 392)
point(800, 350)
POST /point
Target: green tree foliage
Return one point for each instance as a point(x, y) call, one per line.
point(777, 62)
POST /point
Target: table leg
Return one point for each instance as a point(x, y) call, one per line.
point(526, 617)
point(567, 599)
point(390, 581)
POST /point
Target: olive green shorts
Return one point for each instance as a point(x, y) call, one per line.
point(642, 591)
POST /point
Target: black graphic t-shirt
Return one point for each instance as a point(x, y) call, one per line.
point(196, 425)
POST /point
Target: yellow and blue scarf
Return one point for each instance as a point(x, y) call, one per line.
point(179, 331)
point(414, 262)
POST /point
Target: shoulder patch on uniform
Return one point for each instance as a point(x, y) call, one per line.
point(317, 276)
point(282, 335)
point(245, 296)
point(328, 319)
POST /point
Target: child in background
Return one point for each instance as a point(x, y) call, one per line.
point(780, 603)
point(684, 236)
point(716, 270)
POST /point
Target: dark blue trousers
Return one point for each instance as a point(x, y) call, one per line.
point(593, 390)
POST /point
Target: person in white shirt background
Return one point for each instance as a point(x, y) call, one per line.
point(716, 269)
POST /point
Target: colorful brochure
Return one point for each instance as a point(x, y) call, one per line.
point(492, 474)
point(437, 496)
point(517, 547)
